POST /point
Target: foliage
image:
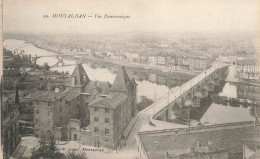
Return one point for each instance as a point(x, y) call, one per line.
point(16, 96)
point(18, 61)
point(26, 111)
point(72, 154)
point(47, 149)
point(46, 67)
point(145, 102)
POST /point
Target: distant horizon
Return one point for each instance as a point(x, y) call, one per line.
point(136, 33)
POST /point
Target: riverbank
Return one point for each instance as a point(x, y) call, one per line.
point(130, 65)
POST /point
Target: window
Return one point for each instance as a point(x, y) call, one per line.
point(96, 118)
point(200, 144)
point(61, 109)
point(49, 103)
point(60, 100)
point(106, 131)
point(36, 129)
point(48, 113)
point(37, 102)
point(37, 111)
point(60, 118)
point(96, 109)
point(106, 120)
point(106, 110)
point(96, 129)
point(106, 140)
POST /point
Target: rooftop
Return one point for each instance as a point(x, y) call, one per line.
point(49, 96)
point(78, 74)
point(122, 78)
point(111, 101)
point(180, 141)
point(103, 86)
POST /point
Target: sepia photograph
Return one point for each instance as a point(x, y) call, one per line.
point(133, 79)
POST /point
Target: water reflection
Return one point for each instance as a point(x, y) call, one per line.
point(229, 90)
point(218, 113)
point(223, 113)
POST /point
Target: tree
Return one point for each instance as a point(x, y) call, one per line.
point(46, 67)
point(47, 149)
point(72, 154)
point(145, 102)
point(26, 111)
point(16, 95)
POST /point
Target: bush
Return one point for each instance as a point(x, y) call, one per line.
point(145, 102)
point(72, 154)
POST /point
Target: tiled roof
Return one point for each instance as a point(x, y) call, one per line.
point(111, 101)
point(78, 73)
point(157, 145)
point(121, 80)
point(72, 94)
point(49, 97)
point(100, 84)
point(52, 96)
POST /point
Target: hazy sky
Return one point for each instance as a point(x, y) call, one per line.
point(145, 15)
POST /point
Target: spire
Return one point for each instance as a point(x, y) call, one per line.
point(80, 76)
point(120, 83)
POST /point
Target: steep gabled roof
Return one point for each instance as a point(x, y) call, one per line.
point(112, 101)
point(120, 83)
point(78, 74)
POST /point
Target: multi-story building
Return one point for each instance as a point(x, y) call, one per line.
point(152, 60)
point(10, 127)
point(248, 69)
point(143, 59)
point(161, 61)
point(109, 115)
point(74, 113)
point(132, 57)
point(198, 63)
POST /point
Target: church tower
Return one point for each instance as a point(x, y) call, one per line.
point(79, 77)
point(124, 84)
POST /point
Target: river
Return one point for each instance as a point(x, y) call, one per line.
point(218, 113)
point(151, 84)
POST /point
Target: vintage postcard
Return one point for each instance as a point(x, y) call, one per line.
point(133, 79)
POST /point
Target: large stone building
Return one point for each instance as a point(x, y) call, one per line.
point(93, 112)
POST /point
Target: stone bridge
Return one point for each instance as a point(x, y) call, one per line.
point(189, 100)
